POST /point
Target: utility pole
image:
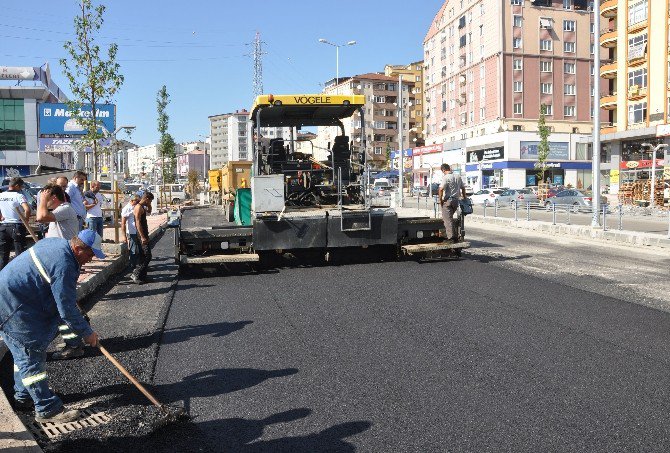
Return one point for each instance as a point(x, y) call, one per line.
point(595, 168)
point(258, 66)
point(401, 159)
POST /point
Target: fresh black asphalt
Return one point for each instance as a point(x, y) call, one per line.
point(374, 356)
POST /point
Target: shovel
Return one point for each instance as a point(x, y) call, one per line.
point(170, 414)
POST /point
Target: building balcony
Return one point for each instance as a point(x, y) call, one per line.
point(608, 70)
point(608, 37)
point(637, 27)
point(608, 128)
point(636, 93)
point(608, 101)
point(608, 8)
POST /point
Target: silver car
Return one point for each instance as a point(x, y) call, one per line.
point(521, 196)
point(570, 198)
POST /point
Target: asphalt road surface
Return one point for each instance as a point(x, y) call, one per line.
point(524, 345)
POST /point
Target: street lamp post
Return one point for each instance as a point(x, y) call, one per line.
point(595, 161)
point(337, 55)
point(128, 129)
point(654, 151)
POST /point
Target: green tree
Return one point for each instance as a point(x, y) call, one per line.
point(193, 182)
point(167, 144)
point(93, 79)
point(543, 148)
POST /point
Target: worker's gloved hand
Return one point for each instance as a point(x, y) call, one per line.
point(92, 340)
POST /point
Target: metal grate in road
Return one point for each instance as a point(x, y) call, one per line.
point(89, 417)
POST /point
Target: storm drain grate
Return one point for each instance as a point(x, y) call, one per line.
point(90, 417)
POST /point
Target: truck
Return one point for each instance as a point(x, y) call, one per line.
point(296, 203)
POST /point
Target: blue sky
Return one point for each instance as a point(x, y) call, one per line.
point(201, 49)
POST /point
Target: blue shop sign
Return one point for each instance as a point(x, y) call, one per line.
point(59, 119)
point(572, 165)
point(10, 171)
point(557, 150)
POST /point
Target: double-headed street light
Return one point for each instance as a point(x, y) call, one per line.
point(115, 158)
point(654, 150)
point(337, 55)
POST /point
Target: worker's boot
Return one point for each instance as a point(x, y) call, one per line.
point(136, 279)
point(68, 353)
point(64, 416)
point(23, 405)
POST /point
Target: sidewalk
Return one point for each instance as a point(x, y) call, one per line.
point(13, 434)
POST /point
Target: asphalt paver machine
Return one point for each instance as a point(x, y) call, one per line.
point(298, 202)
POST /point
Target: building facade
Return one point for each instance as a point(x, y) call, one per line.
point(412, 72)
point(195, 159)
point(491, 66)
point(381, 117)
point(231, 137)
point(635, 88)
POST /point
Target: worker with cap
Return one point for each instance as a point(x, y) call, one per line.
point(38, 291)
point(12, 231)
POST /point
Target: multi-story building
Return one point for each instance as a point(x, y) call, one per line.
point(635, 87)
point(381, 116)
point(490, 67)
point(147, 160)
point(412, 72)
point(231, 138)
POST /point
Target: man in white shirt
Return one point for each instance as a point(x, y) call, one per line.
point(76, 196)
point(128, 229)
point(63, 221)
point(93, 200)
point(12, 231)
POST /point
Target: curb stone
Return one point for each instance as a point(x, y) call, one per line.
point(15, 436)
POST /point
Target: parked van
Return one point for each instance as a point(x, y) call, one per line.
point(171, 193)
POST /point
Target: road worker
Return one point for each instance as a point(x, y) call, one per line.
point(12, 231)
point(38, 295)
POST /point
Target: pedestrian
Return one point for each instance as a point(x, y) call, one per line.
point(450, 192)
point(93, 201)
point(74, 190)
point(139, 275)
point(53, 209)
point(129, 231)
point(38, 292)
point(12, 231)
point(62, 181)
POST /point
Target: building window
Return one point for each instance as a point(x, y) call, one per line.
point(517, 64)
point(518, 87)
point(378, 150)
point(569, 110)
point(518, 21)
point(567, 4)
point(569, 47)
point(637, 113)
point(518, 109)
point(569, 68)
point(546, 88)
point(516, 128)
point(569, 25)
point(516, 43)
point(638, 77)
point(546, 66)
point(517, 2)
point(546, 44)
point(637, 46)
point(12, 125)
point(569, 89)
point(482, 113)
point(637, 13)
point(548, 109)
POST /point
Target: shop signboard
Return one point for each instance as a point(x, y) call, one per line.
point(614, 177)
point(557, 150)
point(58, 119)
point(636, 164)
point(65, 145)
point(666, 172)
point(486, 154)
point(531, 180)
point(10, 171)
point(421, 150)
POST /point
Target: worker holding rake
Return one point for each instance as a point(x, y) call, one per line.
point(38, 293)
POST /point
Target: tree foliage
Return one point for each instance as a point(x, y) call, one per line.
point(167, 144)
point(93, 78)
point(543, 148)
point(193, 181)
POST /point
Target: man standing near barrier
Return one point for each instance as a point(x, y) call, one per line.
point(74, 191)
point(12, 231)
point(450, 192)
point(139, 275)
point(38, 294)
point(93, 200)
point(128, 229)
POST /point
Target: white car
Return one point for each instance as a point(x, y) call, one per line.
point(486, 196)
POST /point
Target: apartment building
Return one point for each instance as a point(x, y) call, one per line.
point(635, 88)
point(490, 66)
point(381, 116)
point(412, 72)
point(231, 137)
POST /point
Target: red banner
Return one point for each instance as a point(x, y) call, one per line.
point(635, 164)
point(427, 150)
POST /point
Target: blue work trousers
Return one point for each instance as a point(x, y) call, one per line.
point(30, 378)
point(95, 224)
point(134, 249)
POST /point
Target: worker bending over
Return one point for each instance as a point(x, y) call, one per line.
point(38, 291)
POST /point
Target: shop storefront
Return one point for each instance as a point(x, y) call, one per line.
point(481, 171)
point(517, 174)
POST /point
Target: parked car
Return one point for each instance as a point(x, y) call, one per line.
point(486, 196)
point(570, 198)
point(521, 196)
point(381, 187)
point(421, 191)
